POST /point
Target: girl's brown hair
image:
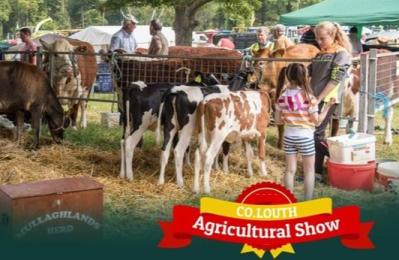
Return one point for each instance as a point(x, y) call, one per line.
point(295, 73)
point(335, 31)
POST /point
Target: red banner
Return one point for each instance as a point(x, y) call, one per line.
point(344, 222)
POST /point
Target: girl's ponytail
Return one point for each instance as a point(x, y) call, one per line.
point(280, 83)
point(342, 39)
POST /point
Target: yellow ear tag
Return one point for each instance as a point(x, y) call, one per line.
point(198, 79)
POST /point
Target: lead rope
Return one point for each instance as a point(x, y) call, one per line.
point(114, 64)
point(380, 98)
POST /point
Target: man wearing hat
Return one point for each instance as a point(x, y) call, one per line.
point(159, 44)
point(280, 40)
point(124, 40)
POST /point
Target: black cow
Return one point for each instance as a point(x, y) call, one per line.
point(25, 88)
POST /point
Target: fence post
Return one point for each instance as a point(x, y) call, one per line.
point(371, 90)
point(51, 69)
point(39, 58)
point(341, 89)
point(363, 92)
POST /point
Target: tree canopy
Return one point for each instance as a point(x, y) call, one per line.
point(185, 16)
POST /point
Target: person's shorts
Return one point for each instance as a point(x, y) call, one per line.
point(294, 144)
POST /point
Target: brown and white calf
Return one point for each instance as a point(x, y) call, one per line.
point(230, 117)
point(73, 75)
point(178, 119)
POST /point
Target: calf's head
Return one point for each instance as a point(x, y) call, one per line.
point(65, 64)
point(201, 79)
point(57, 127)
point(246, 78)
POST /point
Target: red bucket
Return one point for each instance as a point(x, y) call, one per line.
point(352, 176)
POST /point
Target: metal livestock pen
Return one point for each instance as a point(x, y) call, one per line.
point(379, 76)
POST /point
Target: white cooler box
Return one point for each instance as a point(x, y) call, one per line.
point(352, 149)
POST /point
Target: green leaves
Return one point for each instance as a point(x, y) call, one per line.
point(5, 10)
point(223, 14)
point(270, 10)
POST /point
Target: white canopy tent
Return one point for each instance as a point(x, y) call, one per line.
point(50, 38)
point(100, 36)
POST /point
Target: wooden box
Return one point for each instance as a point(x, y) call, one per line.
point(61, 208)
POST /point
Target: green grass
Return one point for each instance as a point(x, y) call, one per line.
point(103, 138)
point(95, 136)
point(385, 151)
point(98, 136)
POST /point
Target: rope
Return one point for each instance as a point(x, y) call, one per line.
point(187, 71)
point(73, 62)
point(381, 98)
point(114, 63)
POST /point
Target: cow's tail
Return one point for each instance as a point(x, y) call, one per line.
point(201, 150)
point(158, 130)
point(165, 108)
point(201, 127)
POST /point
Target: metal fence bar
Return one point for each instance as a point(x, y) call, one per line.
point(387, 54)
point(157, 57)
point(372, 84)
point(51, 69)
point(39, 58)
point(363, 93)
point(89, 99)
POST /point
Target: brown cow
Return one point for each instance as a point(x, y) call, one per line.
point(187, 51)
point(25, 88)
point(73, 75)
point(271, 69)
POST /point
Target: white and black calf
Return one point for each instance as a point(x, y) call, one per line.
point(228, 117)
point(141, 113)
point(141, 106)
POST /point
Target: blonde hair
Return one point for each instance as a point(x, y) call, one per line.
point(335, 31)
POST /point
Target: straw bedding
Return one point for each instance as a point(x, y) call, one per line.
point(141, 203)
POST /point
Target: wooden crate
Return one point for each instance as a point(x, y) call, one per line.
point(61, 208)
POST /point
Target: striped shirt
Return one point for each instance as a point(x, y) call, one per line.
point(296, 108)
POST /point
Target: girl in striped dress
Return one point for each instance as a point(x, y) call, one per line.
point(297, 109)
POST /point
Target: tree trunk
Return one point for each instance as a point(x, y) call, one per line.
point(183, 26)
point(185, 22)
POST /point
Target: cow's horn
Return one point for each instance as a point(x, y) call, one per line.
point(123, 14)
point(160, 14)
point(153, 14)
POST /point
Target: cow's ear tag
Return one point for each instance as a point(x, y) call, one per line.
point(248, 78)
point(198, 79)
